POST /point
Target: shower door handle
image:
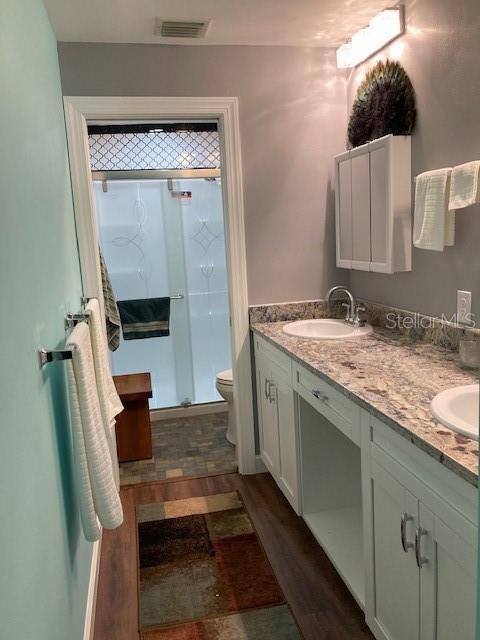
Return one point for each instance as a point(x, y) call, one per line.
point(179, 296)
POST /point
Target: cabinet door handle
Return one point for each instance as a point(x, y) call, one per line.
point(320, 395)
point(271, 387)
point(403, 532)
point(268, 389)
point(421, 560)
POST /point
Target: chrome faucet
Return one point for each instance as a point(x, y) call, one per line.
point(353, 309)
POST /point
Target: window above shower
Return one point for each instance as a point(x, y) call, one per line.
point(154, 146)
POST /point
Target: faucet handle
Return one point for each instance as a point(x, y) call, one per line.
point(349, 309)
point(357, 321)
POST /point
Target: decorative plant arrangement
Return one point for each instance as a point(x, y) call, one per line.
point(385, 103)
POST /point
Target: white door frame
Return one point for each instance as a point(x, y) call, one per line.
point(79, 110)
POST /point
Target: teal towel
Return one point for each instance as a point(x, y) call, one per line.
point(145, 318)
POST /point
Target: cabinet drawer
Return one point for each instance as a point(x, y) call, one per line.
point(326, 400)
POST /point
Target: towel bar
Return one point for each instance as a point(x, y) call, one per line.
point(46, 356)
point(71, 319)
point(53, 356)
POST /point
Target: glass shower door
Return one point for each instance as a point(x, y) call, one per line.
point(165, 238)
point(178, 287)
point(199, 202)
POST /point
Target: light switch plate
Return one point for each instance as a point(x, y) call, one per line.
point(464, 307)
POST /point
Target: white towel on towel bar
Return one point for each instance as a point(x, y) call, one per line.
point(88, 516)
point(110, 404)
point(434, 224)
point(101, 478)
point(464, 188)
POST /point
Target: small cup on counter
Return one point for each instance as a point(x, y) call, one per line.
point(469, 352)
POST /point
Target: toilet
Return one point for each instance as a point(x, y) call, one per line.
point(224, 384)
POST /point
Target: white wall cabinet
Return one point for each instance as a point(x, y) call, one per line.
point(373, 206)
point(360, 208)
point(276, 419)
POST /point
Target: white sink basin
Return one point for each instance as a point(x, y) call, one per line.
point(325, 329)
point(457, 409)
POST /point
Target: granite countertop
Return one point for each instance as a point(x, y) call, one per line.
point(394, 379)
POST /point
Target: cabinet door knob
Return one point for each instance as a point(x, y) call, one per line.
point(403, 532)
point(320, 395)
point(421, 560)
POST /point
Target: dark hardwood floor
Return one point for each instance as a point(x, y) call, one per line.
point(321, 604)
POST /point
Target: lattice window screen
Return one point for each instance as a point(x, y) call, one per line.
point(158, 150)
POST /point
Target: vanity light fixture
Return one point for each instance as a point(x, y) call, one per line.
point(382, 29)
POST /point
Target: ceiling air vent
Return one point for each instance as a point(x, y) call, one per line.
point(181, 28)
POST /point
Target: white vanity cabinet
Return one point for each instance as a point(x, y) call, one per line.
point(267, 417)
point(330, 468)
point(400, 528)
point(420, 541)
point(373, 206)
point(276, 418)
point(448, 584)
point(395, 603)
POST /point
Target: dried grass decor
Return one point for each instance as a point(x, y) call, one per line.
point(385, 103)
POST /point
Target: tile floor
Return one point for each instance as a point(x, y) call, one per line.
point(184, 447)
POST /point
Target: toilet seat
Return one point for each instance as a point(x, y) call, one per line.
point(225, 377)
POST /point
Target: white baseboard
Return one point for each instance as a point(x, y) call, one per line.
point(259, 465)
point(89, 627)
point(188, 412)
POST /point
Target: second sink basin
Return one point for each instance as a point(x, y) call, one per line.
point(325, 329)
point(457, 409)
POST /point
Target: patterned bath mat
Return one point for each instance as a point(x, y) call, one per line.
point(203, 574)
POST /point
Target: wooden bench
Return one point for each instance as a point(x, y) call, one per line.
point(133, 430)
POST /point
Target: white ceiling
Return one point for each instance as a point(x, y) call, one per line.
point(323, 23)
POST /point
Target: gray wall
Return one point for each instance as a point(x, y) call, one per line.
point(293, 114)
point(441, 53)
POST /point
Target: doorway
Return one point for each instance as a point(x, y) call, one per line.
point(79, 111)
point(159, 213)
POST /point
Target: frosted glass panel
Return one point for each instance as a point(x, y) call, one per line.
point(207, 283)
point(162, 242)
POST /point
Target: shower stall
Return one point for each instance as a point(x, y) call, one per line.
point(161, 232)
